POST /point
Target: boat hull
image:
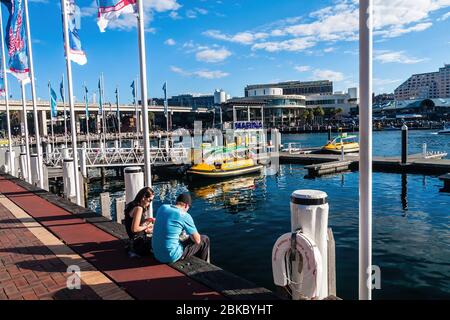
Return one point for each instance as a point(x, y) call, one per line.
point(220, 174)
point(335, 151)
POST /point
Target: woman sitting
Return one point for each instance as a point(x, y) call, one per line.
point(136, 225)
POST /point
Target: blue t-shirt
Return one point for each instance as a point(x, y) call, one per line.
point(170, 222)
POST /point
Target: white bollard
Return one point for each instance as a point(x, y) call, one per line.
point(68, 178)
point(135, 144)
point(134, 181)
point(120, 209)
point(116, 144)
point(83, 161)
point(48, 151)
point(34, 163)
point(424, 150)
point(23, 166)
point(342, 153)
point(309, 212)
point(65, 153)
point(10, 162)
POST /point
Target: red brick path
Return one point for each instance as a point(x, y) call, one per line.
point(28, 269)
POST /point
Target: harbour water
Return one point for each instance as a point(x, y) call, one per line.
point(411, 219)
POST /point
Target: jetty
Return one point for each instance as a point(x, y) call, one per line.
point(47, 243)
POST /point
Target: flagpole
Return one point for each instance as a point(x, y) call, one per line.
point(8, 120)
point(118, 115)
point(103, 109)
point(65, 113)
point(33, 97)
point(87, 114)
point(71, 103)
point(27, 138)
point(166, 107)
point(365, 161)
point(51, 116)
point(143, 72)
point(136, 110)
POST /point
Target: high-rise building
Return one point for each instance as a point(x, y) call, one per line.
point(292, 88)
point(430, 85)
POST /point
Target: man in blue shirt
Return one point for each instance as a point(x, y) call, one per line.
point(171, 222)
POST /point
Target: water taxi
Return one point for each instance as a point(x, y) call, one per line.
point(226, 162)
point(350, 144)
point(445, 130)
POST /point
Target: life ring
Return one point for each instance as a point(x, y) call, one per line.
point(306, 278)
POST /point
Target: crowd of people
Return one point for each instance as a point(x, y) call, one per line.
point(170, 236)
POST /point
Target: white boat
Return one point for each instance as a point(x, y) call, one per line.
point(446, 129)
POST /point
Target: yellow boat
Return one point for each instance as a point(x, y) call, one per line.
point(229, 168)
point(4, 142)
point(350, 144)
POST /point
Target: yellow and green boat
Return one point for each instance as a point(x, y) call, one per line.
point(350, 144)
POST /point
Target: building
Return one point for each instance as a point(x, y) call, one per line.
point(335, 101)
point(291, 88)
point(186, 100)
point(279, 109)
point(432, 85)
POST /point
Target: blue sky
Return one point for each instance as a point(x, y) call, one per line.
point(201, 45)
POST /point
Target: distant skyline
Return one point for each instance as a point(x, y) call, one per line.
point(201, 45)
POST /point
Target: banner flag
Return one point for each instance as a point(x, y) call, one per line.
point(166, 104)
point(117, 103)
point(100, 93)
point(16, 40)
point(109, 10)
point(53, 103)
point(2, 84)
point(86, 101)
point(76, 52)
point(133, 92)
point(61, 90)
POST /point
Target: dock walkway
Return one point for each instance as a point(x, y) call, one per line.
point(43, 233)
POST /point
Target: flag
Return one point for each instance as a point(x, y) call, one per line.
point(61, 90)
point(100, 93)
point(16, 40)
point(166, 104)
point(76, 52)
point(86, 101)
point(109, 10)
point(53, 102)
point(133, 92)
point(117, 103)
point(2, 83)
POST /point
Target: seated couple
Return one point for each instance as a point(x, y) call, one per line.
point(170, 224)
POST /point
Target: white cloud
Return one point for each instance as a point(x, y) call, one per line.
point(211, 55)
point(328, 50)
point(444, 17)
point(170, 42)
point(204, 74)
point(298, 44)
point(386, 56)
point(340, 22)
point(302, 68)
point(328, 75)
point(193, 13)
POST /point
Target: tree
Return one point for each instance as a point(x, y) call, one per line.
point(339, 111)
point(319, 112)
point(305, 115)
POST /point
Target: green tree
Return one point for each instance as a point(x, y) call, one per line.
point(319, 112)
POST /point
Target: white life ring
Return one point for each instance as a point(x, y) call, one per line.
point(305, 279)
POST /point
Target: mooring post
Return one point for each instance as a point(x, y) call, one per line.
point(329, 133)
point(34, 163)
point(120, 209)
point(404, 144)
point(134, 181)
point(105, 205)
point(69, 179)
point(424, 150)
point(342, 153)
point(23, 164)
point(10, 162)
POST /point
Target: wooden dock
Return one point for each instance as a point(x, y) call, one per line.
point(319, 164)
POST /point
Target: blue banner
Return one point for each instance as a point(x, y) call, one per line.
point(133, 92)
point(100, 93)
point(53, 103)
point(16, 40)
point(76, 52)
point(109, 10)
point(166, 103)
point(117, 103)
point(86, 101)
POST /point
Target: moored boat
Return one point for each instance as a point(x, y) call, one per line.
point(226, 169)
point(349, 143)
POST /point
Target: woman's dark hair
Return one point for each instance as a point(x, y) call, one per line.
point(145, 192)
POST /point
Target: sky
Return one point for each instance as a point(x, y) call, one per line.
point(198, 46)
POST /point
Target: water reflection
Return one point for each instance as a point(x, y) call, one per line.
point(404, 193)
point(235, 195)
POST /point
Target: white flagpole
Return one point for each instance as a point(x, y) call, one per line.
point(118, 116)
point(65, 113)
point(102, 90)
point(27, 138)
point(33, 97)
point(51, 117)
point(5, 80)
point(166, 108)
point(136, 109)
point(143, 69)
point(86, 114)
point(365, 154)
point(71, 102)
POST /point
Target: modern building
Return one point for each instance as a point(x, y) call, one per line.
point(186, 100)
point(335, 101)
point(291, 88)
point(279, 109)
point(432, 85)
